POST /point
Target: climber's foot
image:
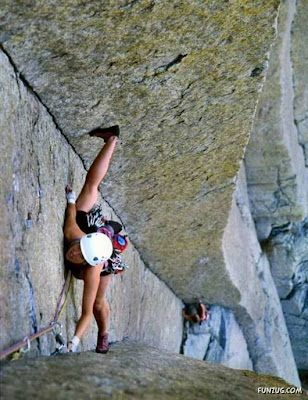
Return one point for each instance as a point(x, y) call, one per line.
point(106, 133)
point(102, 343)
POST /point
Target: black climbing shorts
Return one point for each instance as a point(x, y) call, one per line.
point(93, 220)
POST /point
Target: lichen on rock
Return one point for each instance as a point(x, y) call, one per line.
point(134, 371)
point(182, 80)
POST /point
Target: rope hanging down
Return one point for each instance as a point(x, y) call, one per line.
point(26, 341)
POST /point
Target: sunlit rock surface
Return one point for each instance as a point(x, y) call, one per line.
point(277, 171)
point(182, 80)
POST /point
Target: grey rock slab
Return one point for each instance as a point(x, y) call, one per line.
point(219, 340)
point(300, 74)
point(298, 328)
point(297, 302)
point(131, 371)
point(277, 175)
point(259, 313)
point(182, 80)
point(287, 250)
point(279, 202)
point(185, 110)
point(196, 345)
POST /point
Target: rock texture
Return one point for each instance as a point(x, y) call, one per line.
point(299, 59)
point(218, 340)
point(259, 312)
point(37, 163)
point(182, 80)
point(287, 249)
point(131, 371)
point(278, 175)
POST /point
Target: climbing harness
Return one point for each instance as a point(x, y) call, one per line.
point(51, 327)
point(116, 264)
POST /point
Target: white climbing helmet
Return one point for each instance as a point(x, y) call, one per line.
point(96, 248)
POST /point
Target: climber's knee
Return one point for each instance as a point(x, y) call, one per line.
point(100, 304)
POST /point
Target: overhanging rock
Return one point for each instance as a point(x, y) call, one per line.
point(182, 81)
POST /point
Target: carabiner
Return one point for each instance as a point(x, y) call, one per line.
point(22, 350)
point(58, 326)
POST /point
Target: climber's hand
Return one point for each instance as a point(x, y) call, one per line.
point(70, 195)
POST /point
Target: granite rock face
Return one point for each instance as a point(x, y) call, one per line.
point(299, 57)
point(182, 81)
point(277, 175)
point(287, 249)
point(255, 335)
point(134, 371)
point(37, 164)
point(259, 312)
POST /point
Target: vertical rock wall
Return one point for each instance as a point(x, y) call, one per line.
point(37, 163)
point(219, 340)
point(256, 335)
point(275, 159)
point(259, 312)
point(187, 112)
point(299, 59)
point(266, 240)
point(277, 173)
point(296, 304)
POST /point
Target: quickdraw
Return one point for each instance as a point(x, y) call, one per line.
point(60, 342)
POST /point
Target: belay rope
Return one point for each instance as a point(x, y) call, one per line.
point(51, 327)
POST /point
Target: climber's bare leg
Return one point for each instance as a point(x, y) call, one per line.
point(95, 175)
point(101, 308)
point(91, 278)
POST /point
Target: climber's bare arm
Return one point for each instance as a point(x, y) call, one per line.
point(186, 316)
point(203, 312)
point(71, 229)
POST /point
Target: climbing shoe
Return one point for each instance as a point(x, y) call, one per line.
point(102, 343)
point(106, 133)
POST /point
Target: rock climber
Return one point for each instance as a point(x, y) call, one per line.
point(196, 313)
point(93, 244)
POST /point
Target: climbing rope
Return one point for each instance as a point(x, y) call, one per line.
point(51, 327)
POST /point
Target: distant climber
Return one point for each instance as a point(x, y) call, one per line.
point(196, 313)
point(93, 244)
